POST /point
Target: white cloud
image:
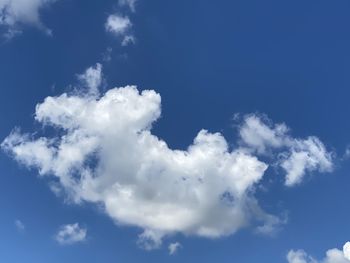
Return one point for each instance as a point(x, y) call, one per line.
point(19, 225)
point(92, 79)
point(205, 190)
point(13, 13)
point(260, 135)
point(305, 156)
point(130, 3)
point(150, 239)
point(120, 26)
point(346, 250)
point(346, 154)
point(296, 156)
point(173, 247)
point(299, 256)
point(70, 234)
point(332, 256)
point(107, 154)
point(127, 40)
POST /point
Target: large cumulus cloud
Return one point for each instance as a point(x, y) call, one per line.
point(104, 152)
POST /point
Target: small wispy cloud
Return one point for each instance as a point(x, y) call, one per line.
point(174, 247)
point(346, 155)
point(92, 78)
point(19, 225)
point(129, 3)
point(70, 234)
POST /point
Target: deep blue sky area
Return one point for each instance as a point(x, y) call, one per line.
point(208, 60)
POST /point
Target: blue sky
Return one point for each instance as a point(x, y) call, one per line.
point(174, 131)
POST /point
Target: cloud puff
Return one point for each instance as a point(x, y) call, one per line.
point(104, 152)
point(13, 13)
point(70, 234)
point(332, 256)
point(296, 156)
point(120, 26)
point(173, 247)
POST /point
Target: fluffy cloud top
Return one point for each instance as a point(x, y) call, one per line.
point(16, 12)
point(70, 234)
point(105, 153)
point(346, 250)
point(332, 256)
point(120, 26)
